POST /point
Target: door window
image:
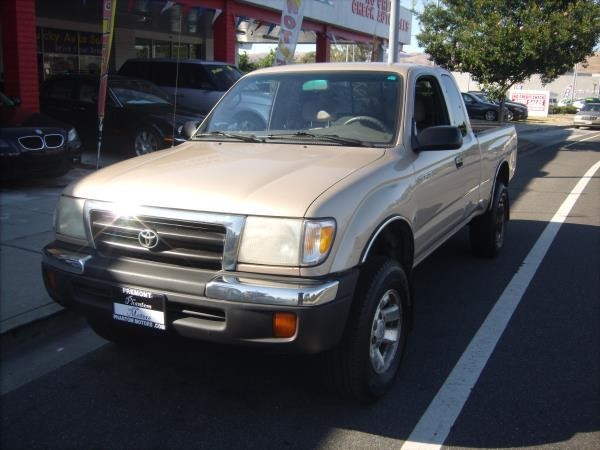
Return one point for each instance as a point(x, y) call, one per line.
point(430, 106)
point(60, 90)
point(459, 118)
point(88, 92)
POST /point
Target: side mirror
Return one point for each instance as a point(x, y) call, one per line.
point(16, 100)
point(441, 137)
point(190, 127)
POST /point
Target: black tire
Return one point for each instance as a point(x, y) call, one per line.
point(145, 140)
point(487, 232)
point(490, 115)
point(352, 369)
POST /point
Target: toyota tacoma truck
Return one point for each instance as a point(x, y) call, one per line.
point(292, 219)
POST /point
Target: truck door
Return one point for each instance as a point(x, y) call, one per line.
point(470, 153)
point(440, 175)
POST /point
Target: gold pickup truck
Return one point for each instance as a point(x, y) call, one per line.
point(292, 219)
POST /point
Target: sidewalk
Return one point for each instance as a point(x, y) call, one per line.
point(26, 213)
point(26, 227)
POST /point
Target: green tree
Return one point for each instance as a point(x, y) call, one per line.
point(266, 61)
point(502, 43)
point(306, 58)
point(245, 64)
point(360, 52)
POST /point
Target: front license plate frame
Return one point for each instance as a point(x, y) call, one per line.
point(139, 307)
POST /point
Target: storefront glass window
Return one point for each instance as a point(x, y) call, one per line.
point(184, 51)
point(162, 49)
point(143, 48)
point(68, 51)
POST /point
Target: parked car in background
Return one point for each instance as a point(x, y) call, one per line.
point(32, 144)
point(588, 116)
point(580, 103)
point(481, 109)
point(516, 110)
point(200, 84)
point(139, 118)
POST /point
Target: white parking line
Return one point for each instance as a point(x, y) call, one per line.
point(434, 426)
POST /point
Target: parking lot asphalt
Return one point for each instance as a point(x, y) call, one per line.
point(26, 212)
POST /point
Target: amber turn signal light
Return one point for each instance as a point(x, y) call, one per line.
point(50, 279)
point(284, 324)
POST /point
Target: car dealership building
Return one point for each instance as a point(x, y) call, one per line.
point(40, 38)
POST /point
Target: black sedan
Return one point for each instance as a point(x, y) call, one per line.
point(32, 144)
point(481, 109)
point(139, 116)
point(516, 110)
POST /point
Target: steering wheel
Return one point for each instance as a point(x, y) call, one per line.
point(368, 119)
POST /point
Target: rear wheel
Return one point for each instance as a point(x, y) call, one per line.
point(486, 232)
point(365, 363)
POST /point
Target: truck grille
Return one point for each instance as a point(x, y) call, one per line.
point(159, 239)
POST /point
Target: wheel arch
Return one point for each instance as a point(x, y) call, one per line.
point(502, 175)
point(392, 238)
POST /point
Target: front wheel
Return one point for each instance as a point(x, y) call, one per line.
point(365, 363)
point(490, 115)
point(145, 141)
point(486, 232)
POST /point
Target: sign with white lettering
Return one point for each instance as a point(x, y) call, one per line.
point(139, 307)
point(371, 17)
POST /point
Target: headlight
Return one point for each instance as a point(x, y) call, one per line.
point(286, 242)
point(72, 135)
point(68, 218)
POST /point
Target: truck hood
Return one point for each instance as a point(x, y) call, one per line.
point(227, 177)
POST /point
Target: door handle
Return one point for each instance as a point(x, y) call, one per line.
point(458, 161)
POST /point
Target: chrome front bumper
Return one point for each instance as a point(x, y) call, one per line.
point(270, 292)
point(234, 287)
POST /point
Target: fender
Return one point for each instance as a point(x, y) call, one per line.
point(378, 231)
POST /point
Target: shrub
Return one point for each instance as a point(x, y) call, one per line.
point(562, 109)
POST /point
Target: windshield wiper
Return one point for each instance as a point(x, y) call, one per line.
point(325, 137)
point(240, 137)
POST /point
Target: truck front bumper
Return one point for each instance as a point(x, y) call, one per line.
point(224, 307)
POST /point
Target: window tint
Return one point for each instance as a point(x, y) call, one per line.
point(88, 92)
point(430, 107)
point(194, 76)
point(459, 118)
point(60, 90)
point(223, 76)
point(162, 73)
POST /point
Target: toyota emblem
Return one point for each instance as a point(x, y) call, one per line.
point(148, 238)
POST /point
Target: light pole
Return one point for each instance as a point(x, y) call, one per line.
point(393, 32)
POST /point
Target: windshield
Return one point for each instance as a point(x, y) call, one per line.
point(349, 107)
point(223, 75)
point(591, 107)
point(138, 92)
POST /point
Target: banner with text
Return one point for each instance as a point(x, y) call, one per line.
point(291, 23)
point(108, 23)
point(537, 101)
